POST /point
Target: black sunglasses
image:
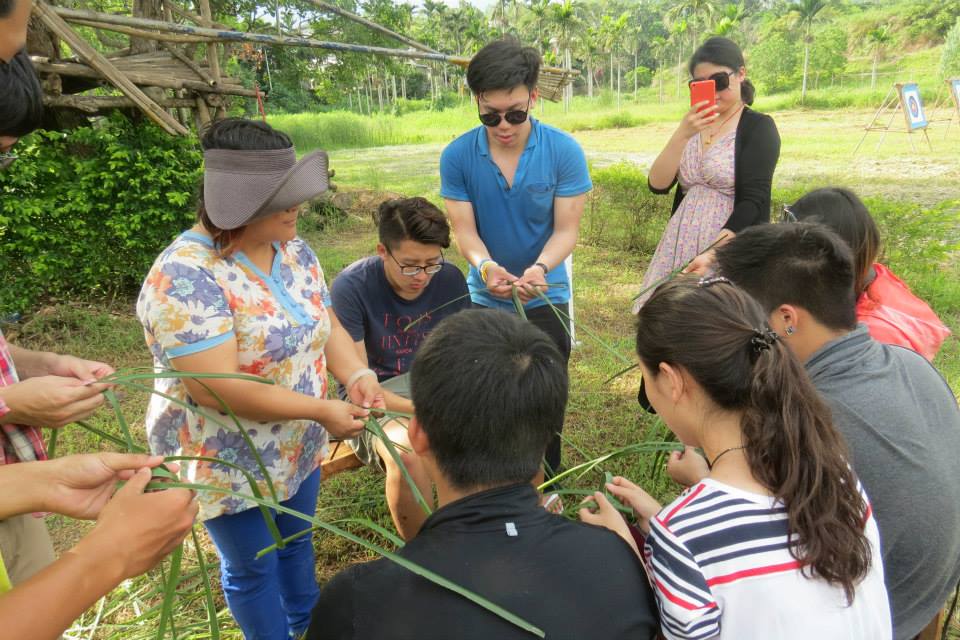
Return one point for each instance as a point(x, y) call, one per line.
point(721, 80)
point(513, 117)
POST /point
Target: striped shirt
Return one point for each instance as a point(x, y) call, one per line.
point(17, 443)
point(719, 561)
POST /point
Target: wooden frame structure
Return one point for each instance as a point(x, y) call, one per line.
point(894, 103)
point(172, 71)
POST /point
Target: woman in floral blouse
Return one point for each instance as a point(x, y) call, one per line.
point(241, 293)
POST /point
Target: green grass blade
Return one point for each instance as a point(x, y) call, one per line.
point(393, 538)
point(169, 373)
point(433, 311)
point(400, 560)
point(565, 316)
point(254, 489)
point(109, 437)
point(121, 419)
point(170, 593)
point(208, 600)
point(52, 444)
point(373, 425)
point(673, 274)
point(620, 373)
point(517, 304)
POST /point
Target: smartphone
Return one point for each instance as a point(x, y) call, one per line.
point(703, 90)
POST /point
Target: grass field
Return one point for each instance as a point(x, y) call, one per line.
point(904, 190)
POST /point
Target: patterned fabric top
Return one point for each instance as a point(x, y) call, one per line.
point(193, 299)
point(707, 178)
point(720, 564)
point(18, 443)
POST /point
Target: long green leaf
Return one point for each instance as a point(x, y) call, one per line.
point(400, 560)
point(109, 437)
point(433, 311)
point(209, 603)
point(517, 304)
point(170, 592)
point(673, 274)
point(374, 426)
point(565, 316)
point(590, 465)
point(393, 538)
point(52, 444)
point(121, 419)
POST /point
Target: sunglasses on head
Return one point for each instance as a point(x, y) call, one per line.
point(721, 80)
point(513, 117)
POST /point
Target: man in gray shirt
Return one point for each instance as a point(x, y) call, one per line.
point(898, 415)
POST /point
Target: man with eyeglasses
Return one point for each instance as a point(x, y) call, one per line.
point(388, 303)
point(515, 189)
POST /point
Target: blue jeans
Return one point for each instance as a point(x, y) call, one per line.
point(270, 598)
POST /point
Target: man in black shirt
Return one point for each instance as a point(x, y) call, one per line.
point(490, 390)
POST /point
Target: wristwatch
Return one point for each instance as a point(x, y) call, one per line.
point(545, 268)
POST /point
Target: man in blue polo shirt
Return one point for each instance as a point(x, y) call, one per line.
point(515, 189)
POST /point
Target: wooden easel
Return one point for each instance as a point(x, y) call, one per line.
point(892, 105)
point(953, 88)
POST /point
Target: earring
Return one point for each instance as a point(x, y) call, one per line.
point(790, 330)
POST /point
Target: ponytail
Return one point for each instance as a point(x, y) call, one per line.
point(719, 335)
point(793, 448)
point(747, 91)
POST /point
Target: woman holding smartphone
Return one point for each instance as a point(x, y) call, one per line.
point(723, 156)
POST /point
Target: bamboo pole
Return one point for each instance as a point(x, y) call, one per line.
point(93, 104)
point(213, 49)
point(228, 35)
point(96, 60)
point(163, 80)
point(320, 4)
point(142, 33)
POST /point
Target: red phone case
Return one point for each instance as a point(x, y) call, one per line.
point(703, 90)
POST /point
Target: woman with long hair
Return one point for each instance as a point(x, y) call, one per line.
point(892, 313)
point(241, 293)
point(722, 158)
point(775, 537)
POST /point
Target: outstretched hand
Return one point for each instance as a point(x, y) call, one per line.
point(80, 485)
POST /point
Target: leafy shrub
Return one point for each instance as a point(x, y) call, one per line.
point(87, 212)
point(622, 212)
point(950, 58)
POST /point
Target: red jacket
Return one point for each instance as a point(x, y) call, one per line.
point(894, 315)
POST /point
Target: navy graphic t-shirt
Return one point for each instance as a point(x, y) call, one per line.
point(370, 310)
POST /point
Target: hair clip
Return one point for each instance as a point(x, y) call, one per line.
point(763, 339)
point(712, 280)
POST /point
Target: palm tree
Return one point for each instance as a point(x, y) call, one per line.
point(540, 9)
point(697, 13)
point(658, 49)
point(589, 51)
point(564, 20)
point(677, 31)
point(731, 15)
point(878, 38)
point(805, 14)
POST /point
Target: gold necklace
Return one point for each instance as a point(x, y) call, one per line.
point(712, 135)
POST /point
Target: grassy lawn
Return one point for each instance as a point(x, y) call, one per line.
point(602, 416)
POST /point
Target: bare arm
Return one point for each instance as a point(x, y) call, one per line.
point(567, 213)
point(256, 401)
point(134, 531)
point(464, 223)
point(663, 171)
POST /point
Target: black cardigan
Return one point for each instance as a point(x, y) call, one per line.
point(755, 155)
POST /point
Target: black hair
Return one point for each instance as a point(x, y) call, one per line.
point(719, 336)
point(415, 219)
point(724, 52)
point(503, 64)
point(237, 134)
point(802, 264)
point(490, 391)
point(21, 98)
point(842, 211)
point(6, 8)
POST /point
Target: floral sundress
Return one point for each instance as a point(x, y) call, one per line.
point(193, 299)
point(706, 177)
